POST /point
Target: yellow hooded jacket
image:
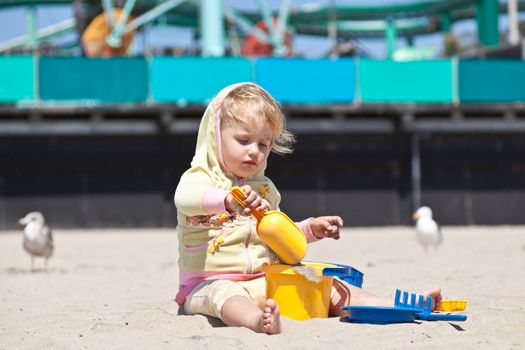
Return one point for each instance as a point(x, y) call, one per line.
point(214, 244)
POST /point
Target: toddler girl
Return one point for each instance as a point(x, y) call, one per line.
point(220, 254)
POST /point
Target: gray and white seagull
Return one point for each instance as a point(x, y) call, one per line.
point(38, 239)
point(428, 231)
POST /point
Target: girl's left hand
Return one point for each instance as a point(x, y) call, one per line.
point(326, 226)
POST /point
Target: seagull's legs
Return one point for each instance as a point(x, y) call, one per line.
point(32, 263)
point(45, 263)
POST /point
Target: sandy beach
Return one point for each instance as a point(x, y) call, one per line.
point(113, 289)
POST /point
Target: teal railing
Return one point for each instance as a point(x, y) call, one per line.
point(195, 80)
point(417, 81)
point(17, 79)
point(100, 80)
point(301, 81)
point(491, 81)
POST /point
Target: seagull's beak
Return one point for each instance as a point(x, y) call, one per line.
point(415, 216)
point(23, 221)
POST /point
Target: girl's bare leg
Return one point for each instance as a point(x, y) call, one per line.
point(240, 311)
point(348, 295)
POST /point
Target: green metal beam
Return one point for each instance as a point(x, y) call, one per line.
point(109, 10)
point(153, 14)
point(416, 9)
point(446, 22)
point(268, 20)
point(284, 15)
point(487, 18)
point(21, 3)
point(381, 26)
point(31, 42)
point(246, 25)
point(48, 33)
point(115, 38)
point(391, 37)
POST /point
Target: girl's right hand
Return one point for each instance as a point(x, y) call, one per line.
point(252, 201)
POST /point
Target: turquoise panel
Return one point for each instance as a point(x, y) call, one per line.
point(194, 79)
point(491, 81)
point(415, 81)
point(99, 79)
point(16, 79)
point(304, 81)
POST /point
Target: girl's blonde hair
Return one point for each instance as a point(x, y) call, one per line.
point(248, 102)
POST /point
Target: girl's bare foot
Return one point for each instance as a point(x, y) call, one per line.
point(436, 297)
point(271, 318)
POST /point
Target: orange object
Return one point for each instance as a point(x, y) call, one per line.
point(277, 231)
point(223, 217)
point(94, 37)
point(254, 47)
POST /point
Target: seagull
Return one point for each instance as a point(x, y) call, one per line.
point(38, 239)
point(428, 231)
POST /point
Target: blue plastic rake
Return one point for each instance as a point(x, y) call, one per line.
point(422, 308)
point(412, 304)
point(406, 309)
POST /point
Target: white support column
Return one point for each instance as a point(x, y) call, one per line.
point(212, 27)
point(514, 34)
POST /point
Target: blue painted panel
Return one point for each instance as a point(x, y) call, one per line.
point(385, 81)
point(95, 79)
point(491, 81)
point(16, 79)
point(306, 81)
point(195, 79)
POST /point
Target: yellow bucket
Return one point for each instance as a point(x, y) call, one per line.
point(296, 296)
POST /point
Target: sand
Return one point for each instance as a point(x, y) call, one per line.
point(113, 289)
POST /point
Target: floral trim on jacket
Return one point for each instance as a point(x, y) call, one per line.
point(216, 221)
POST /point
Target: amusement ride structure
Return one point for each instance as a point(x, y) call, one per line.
point(107, 27)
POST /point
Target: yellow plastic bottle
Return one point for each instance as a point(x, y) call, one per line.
point(277, 231)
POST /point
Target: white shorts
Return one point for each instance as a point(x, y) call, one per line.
point(209, 296)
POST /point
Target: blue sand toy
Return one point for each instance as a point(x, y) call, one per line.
point(404, 311)
point(378, 314)
point(346, 273)
point(424, 312)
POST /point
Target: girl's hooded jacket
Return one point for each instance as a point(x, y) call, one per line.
point(214, 244)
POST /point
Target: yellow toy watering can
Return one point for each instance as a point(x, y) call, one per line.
point(277, 231)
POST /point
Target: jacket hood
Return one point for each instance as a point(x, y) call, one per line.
point(208, 151)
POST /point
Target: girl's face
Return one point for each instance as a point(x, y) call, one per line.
point(245, 149)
